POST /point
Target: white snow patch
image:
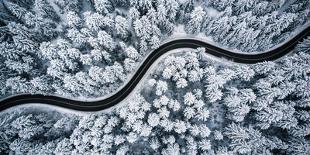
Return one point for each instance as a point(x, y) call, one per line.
point(47, 108)
point(205, 38)
point(211, 12)
point(179, 30)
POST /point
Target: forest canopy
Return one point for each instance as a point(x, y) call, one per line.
point(190, 103)
point(89, 48)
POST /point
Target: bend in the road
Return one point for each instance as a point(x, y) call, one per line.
point(146, 64)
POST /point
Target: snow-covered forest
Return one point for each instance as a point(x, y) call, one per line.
point(90, 48)
point(189, 104)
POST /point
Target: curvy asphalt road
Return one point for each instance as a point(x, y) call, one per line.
point(152, 57)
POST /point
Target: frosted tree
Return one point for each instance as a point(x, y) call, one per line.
point(27, 124)
point(130, 64)
point(248, 140)
point(44, 9)
point(161, 87)
point(195, 75)
point(142, 28)
point(142, 5)
point(277, 115)
point(22, 66)
point(305, 46)
point(189, 98)
point(214, 83)
point(41, 84)
point(244, 72)
point(95, 73)
point(181, 83)
point(64, 146)
point(161, 16)
point(71, 83)
point(132, 53)
point(168, 72)
point(133, 14)
point(244, 5)
point(121, 26)
point(154, 42)
point(172, 7)
point(18, 84)
point(261, 8)
point(221, 4)
point(106, 40)
point(95, 21)
point(152, 15)
point(196, 20)
point(99, 55)
point(299, 146)
point(86, 59)
point(221, 27)
point(73, 19)
point(238, 103)
point(103, 6)
point(153, 120)
point(15, 9)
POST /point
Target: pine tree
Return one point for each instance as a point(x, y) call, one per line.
point(73, 19)
point(96, 21)
point(196, 20)
point(244, 5)
point(18, 85)
point(103, 6)
point(248, 140)
point(161, 87)
point(143, 28)
point(45, 10)
point(130, 65)
point(41, 84)
point(299, 146)
point(142, 5)
point(221, 4)
point(15, 9)
point(132, 53)
point(106, 40)
point(121, 27)
point(78, 38)
point(65, 146)
point(304, 46)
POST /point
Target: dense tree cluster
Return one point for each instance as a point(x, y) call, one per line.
point(88, 48)
point(34, 131)
point(163, 121)
point(250, 25)
point(188, 105)
point(279, 107)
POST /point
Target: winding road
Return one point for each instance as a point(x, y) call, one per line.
point(151, 58)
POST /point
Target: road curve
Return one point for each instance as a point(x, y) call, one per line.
point(151, 58)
